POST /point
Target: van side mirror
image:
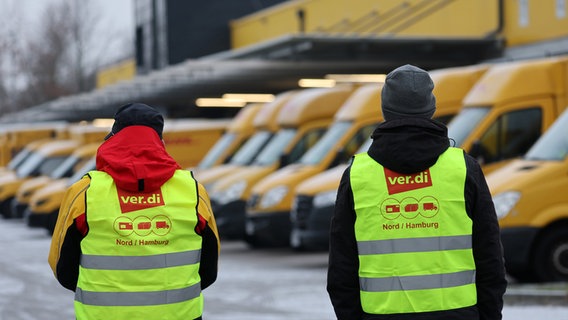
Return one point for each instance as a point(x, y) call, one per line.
point(340, 157)
point(284, 160)
point(478, 152)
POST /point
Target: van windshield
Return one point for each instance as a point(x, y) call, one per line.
point(217, 150)
point(553, 144)
point(251, 148)
point(38, 164)
point(19, 159)
point(88, 166)
point(461, 126)
point(327, 142)
point(29, 165)
point(65, 168)
point(271, 154)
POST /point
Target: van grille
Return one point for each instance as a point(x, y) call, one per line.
point(301, 210)
point(253, 201)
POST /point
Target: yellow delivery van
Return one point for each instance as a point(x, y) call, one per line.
point(451, 85)
point(87, 138)
point(531, 203)
point(268, 211)
point(314, 198)
point(40, 162)
point(44, 204)
point(82, 133)
point(265, 125)
point(189, 140)
point(22, 155)
point(510, 106)
point(238, 132)
point(65, 169)
point(302, 122)
point(14, 137)
point(312, 207)
point(87, 133)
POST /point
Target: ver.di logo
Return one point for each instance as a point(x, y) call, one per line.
point(133, 201)
point(397, 183)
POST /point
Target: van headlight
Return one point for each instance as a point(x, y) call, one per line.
point(41, 202)
point(273, 196)
point(232, 193)
point(504, 202)
point(325, 199)
point(27, 193)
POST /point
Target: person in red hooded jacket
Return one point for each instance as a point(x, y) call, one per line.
point(136, 238)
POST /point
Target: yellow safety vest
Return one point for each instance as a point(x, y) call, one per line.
point(140, 258)
point(413, 237)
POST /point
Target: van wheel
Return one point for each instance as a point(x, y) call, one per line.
point(6, 208)
point(551, 255)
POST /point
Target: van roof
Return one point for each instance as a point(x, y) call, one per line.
point(313, 104)
point(506, 81)
point(87, 133)
point(243, 120)
point(79, 130)
point(86, 150)
point(364, 103)
point(195, 124)
point(33, 126)
point(451, 85)
point(34, 145)
point(268, 115)
point(58, 146)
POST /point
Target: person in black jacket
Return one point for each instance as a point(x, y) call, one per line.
point(407, 143)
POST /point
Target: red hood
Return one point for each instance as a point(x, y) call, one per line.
point(137, 160)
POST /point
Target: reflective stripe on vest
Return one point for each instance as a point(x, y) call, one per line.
point(414, 245)
point(141, 255)
point(413, 237)
point(431, 281)
point(140, 263)
point(109, 299)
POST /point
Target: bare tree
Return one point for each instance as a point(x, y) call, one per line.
point(62, 56)
point(91, 38)
point(10, 49)
point(45, 58)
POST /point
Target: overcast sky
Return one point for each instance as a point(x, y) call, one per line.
point(117, 15)
point(119, 12)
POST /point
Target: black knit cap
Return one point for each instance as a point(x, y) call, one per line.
point(137, 114)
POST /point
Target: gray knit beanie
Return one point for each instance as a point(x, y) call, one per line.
point(407, 92)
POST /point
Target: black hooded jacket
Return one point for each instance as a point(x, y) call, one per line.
point(409, 146)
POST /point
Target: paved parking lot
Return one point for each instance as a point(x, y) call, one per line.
point(252, 284)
